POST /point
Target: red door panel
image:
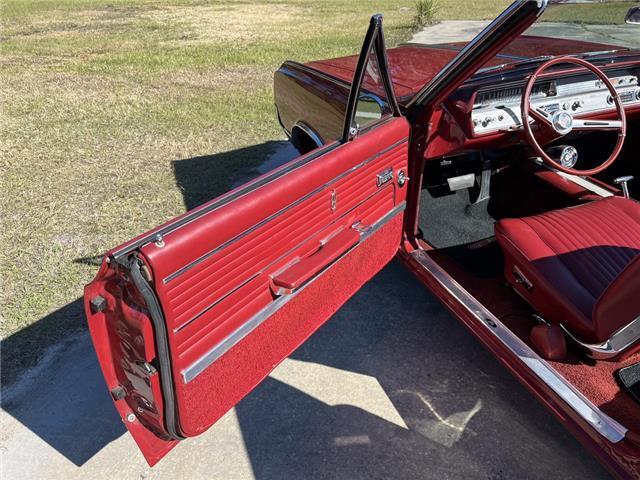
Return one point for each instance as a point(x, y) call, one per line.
point(242, 285)
point(213, 275)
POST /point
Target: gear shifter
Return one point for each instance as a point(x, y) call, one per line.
point(624, 183)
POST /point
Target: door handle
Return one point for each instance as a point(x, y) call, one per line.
point(288, 280)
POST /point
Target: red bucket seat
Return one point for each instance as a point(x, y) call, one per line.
point(579, 267)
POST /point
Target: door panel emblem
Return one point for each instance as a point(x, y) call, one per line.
point(334, 200)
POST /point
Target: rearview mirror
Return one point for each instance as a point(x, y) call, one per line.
point(633, 16)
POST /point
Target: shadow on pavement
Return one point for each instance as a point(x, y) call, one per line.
point(63, 399)
point(466, 416)
point(68, 405)
point(458, 412)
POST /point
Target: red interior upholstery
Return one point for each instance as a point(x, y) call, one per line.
point(217, 272)
point(582, 262)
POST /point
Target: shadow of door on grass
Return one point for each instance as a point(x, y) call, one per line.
point(68, 405)
point(200, 178)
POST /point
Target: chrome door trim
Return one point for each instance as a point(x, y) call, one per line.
point(275, 215)
point(601, 422)
point(584, 182)
point(198, 366)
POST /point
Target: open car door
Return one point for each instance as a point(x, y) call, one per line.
point(190, 317)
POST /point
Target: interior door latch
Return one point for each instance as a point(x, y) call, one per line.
point(384, 177)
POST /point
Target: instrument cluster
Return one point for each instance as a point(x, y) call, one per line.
point(498, 110)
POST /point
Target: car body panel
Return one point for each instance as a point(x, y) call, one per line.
point(414, 65)
point(217, 273)
point(217, 280)
point(452, 131)
point(188, 318)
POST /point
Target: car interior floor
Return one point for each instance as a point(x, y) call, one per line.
point(460, 235)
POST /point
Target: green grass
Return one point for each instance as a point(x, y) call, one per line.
point(103, 99)
point(611, 12)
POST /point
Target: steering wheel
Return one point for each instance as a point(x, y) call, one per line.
point(562, 122)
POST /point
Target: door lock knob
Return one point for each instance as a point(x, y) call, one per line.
point(402, 178)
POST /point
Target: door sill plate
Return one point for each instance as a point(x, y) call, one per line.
point(590, 413)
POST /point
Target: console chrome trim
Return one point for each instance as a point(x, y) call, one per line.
point(584, 183)
point(198, 366)
point(601, 422)
point(622, 339)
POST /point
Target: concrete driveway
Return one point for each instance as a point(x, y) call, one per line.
point(391, 387)
point(465, 30)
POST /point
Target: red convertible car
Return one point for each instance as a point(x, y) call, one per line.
point(499, 171)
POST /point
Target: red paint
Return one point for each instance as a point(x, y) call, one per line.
point(282, 232)
point(122, 337)
point(412, 66)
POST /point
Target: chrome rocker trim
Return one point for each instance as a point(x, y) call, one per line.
point(601, 422)
point(622, 339)
point(197, 367)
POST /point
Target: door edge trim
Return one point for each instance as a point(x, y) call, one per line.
point(201, 364)
point(170, 406)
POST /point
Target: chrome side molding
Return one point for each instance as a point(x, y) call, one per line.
point(622, 339)
point(601, 422)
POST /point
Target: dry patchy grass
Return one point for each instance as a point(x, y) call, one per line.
point(102, 99)
point(102, 102)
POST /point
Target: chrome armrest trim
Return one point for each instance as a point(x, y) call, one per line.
point(622, 339)
point(198, 366)
point(601, 422)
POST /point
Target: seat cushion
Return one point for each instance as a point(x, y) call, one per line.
point(570, 257)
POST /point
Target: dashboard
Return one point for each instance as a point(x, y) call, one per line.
point(498, 109)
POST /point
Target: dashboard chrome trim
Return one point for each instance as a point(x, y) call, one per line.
point(577, 95)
